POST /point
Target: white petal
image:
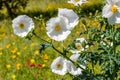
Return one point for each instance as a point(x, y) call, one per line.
point(59, 37)
point(118, 3)
point(72, 69)
point(110, 2)
point(117, 17)
point(63, 69)
point(107, 11)
point(112, 19)
point(70, 15)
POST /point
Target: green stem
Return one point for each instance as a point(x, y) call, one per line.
point(40, 37)
point(67, 57)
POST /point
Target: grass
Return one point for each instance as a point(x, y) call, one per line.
point(17, 55)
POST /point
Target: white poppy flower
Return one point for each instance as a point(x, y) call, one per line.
point(59, 66)
point(78, 45)
point(57, 28)
point(72, 69)
point(70, 15)
point(22, 25)
point(112, 11)
point(77, 2)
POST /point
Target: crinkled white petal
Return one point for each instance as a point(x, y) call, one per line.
point(118, 4)
point(112, 19)
point(110, 2)
point(117, 15)
point(72, 69)
point(59, 37)
point(55, 69)
point(107, 11)
point(28, 25)
point(70, 15)
point(62, 33)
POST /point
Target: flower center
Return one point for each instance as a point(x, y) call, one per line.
point(59, 66)
point(77, 0)
point(114, 8)
point(21, 25)
point(78, 46)
point(57, 28)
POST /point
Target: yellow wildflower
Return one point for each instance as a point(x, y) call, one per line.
point(32, 60)
point(18, 53)
point(45, 56)
point(43, 65)
point(45, 61)
point(18, 66)
point(32, 44)
point(0, 53)
point(24, 47)
point(13, 76)
point(13, 43)
point(8, 45)
point(14, 50)
point(14, 56)
point(0, 48)
point(8, 66)
point(36, 52)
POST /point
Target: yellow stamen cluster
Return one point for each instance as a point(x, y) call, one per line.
point(114, 8)
point(21, 25)
point(78, 46)
point(57, 28)
point(59, 66)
